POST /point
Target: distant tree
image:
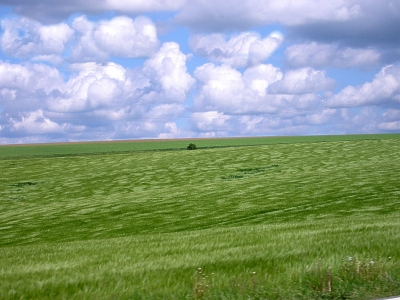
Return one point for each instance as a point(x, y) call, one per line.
point(191, 147)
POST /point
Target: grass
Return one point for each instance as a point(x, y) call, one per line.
point(277, 221)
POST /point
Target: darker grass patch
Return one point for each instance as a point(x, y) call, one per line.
point(23, 184)
point(232, 177)
point(256, 170)
point(246, 172)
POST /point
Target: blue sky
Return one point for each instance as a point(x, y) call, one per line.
point(121, 69)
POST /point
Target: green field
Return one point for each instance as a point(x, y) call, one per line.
point(276, 218)
point(71, 149)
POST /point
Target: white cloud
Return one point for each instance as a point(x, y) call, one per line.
point(36, 123)
point(390, 120)
point(51, 58)
point(316, 121)
point(23, 38)
point(385, 87)
point(164, 112)
point(356, 120)
point(171, 130)
point(259, 78)
point(214, 123)
point(392, 115)
point(302, 81)
point(7, 94)
point(167, 75)
point(24, 91)
point(352, 24)
point(390, 126)
point(231, 103)
point(98, 101)
point(268, 125)
point(220, 87)
point(124, 37)
point(236, 94)
point(95, 87)
point(153, 92)
point(323, 55)
point(318, 117)
point(86, 48)
point(29, 78)
point(245, 49)
point(223, 89)
point(210, 121)
point(120, 36)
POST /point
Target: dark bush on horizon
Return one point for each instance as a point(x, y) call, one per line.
point(191, 147)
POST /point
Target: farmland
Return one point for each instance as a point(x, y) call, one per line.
point(126, 146)
point(258, 218)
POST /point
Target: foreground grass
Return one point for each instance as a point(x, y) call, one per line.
point(163, 266)
point(264, 222)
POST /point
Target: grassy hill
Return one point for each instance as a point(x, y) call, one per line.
point(289, 219)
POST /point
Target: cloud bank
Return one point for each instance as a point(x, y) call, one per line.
point(98, 70)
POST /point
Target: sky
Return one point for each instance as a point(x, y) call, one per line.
point(133, 69)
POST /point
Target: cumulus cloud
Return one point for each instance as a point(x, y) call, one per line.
point(303, 81)
point(112, 92)
point(219, 87)
point(390, 120)
point(326, 55)
point(95, 86)
point(390, 126)
point(28, 77)
point(262, 100)
point(26, 38)
point(36, 123)
point(224, 89)
point(202, 13)
point(163, 79)
point(98, 101)
point(25, 86)
point(124, 37)
point(262, 89)
point(90, 93)
point(318, 117)
point(384, 88)
point(24, 89)
point(210, 121)
point(392, 115)
point(120, 36)
point(166, 73)
point(259, 78)
point(245, 49)
point(353, 24)
point(173, 130)
point(214, 123)
point(86, 48)
point(364, 120)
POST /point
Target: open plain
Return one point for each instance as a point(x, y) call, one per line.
point(261, 218)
